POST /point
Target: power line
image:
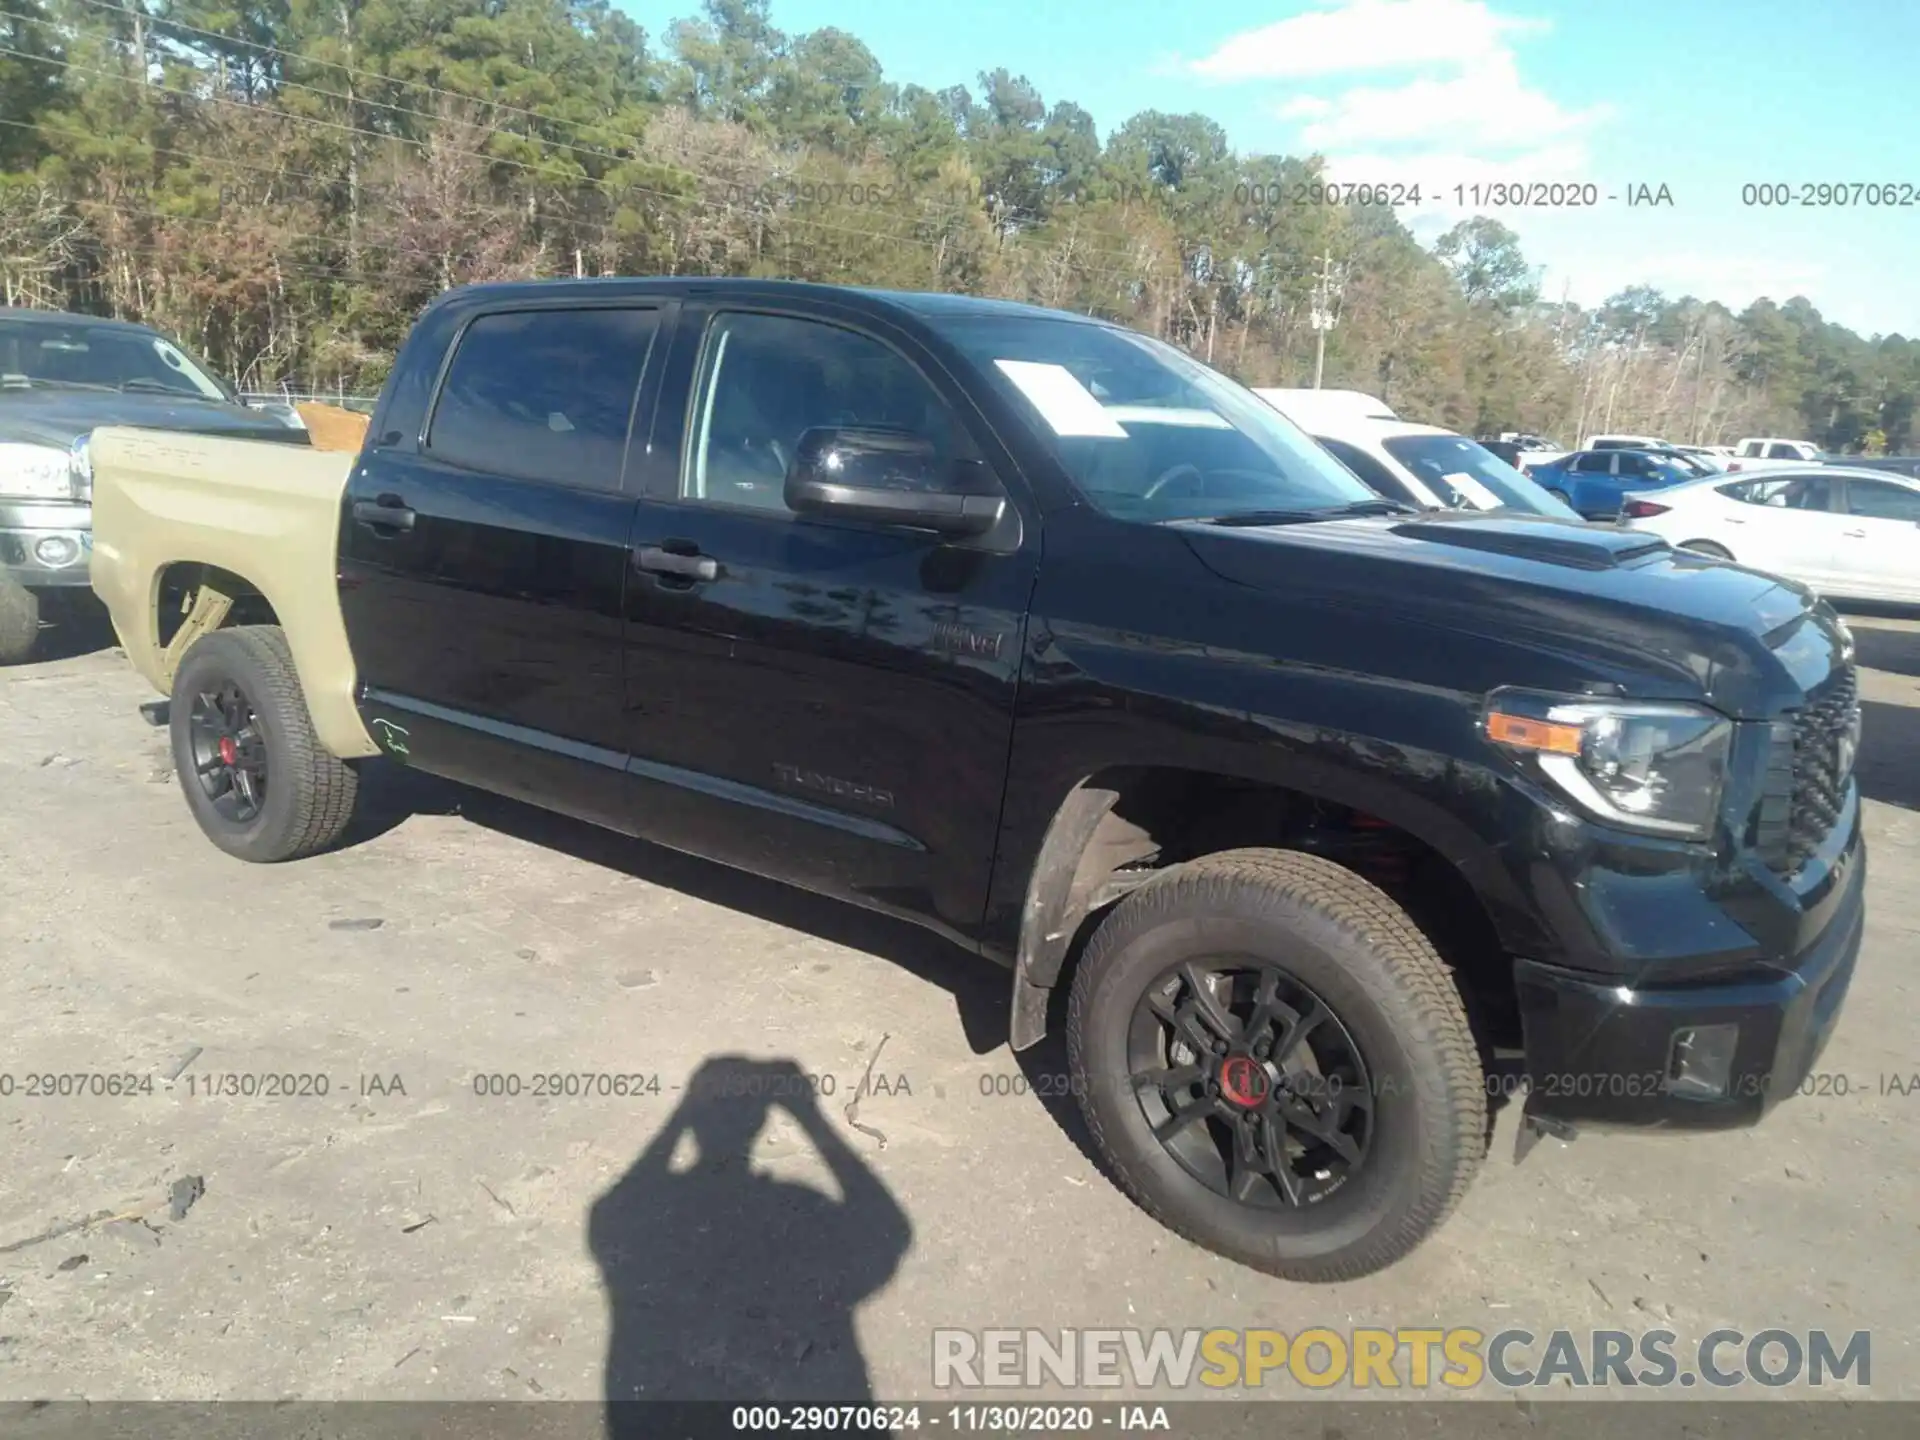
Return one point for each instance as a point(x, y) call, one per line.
point(1018, 213)
point(1122, 278)
point(595, 181)
point(284, 54)
point(112, 7)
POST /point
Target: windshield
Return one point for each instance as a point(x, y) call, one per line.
point(1466, 474)
point(1694, 464)
point(37, 354)
point(1146, 433)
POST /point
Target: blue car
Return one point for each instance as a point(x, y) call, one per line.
point(1592, 481)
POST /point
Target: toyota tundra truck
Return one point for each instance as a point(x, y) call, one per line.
point(1307, 807)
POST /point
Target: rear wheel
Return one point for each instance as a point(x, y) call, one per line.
point(1275, 1063)
point(1707, 547)
point(19, 622)
point(255, 775)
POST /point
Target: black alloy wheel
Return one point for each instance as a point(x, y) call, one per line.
point(1274, 1061)
point(229, 752)
point(1251, 1082)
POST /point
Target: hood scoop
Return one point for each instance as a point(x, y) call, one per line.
point(1551, 542)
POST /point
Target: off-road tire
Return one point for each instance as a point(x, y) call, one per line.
point(19, 622)
point(310, 793)
point(1356, 948)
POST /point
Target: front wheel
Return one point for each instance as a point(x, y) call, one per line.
point(255, 775)
point(1275, 1063)
point(19, 622)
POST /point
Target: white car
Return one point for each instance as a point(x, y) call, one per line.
point(1535, 449)
point(1307, 408)
point(1848, 534)
point(1764, 452)
point(1714, 455)
point(1624, 442)
point(1420, 465)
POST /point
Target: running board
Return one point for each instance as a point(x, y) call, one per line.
point(154, 712)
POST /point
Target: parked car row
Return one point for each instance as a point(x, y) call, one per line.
point(1423, 466)
point(1850, 534)
point(1848, 530)
point(1593, 482)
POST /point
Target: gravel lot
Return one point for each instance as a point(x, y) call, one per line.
point(404, 1237)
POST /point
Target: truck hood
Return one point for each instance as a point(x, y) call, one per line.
point(59, 417)
point(1553, 604)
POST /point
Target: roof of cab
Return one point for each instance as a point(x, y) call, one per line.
point(925, 305)
point(67, 317)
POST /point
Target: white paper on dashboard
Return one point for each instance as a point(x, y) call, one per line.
point(1480, 495)
point(1167, 415)
point(1063, 402)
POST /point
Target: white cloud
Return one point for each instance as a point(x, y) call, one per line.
point(1465, 93)
point(1340, 38)
point(1305, 107)
point(1485, 106)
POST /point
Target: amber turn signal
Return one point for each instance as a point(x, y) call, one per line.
point(1526, 734)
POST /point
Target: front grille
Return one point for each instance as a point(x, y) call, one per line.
point(1807, 774)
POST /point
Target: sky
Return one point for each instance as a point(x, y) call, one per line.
point(1704, 97)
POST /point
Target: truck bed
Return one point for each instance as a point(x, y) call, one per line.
point(261, 511)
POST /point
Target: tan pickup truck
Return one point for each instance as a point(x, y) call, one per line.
point(194, 536)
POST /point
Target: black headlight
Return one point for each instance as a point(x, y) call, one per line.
point(1642, 765)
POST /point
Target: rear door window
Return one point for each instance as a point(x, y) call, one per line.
point(544, 394)
point(1878, 500)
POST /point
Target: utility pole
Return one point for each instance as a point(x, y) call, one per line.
point(1327, 286)
point(137, 11)
point(353, 143)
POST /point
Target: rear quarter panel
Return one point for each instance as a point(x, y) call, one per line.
point(267, 512)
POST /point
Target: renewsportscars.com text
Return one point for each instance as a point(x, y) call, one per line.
point(1367, 1357)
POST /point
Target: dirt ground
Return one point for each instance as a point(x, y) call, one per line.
point(404, 1235)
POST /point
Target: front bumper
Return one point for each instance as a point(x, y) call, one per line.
point(45, 544)
point(1612, 1054)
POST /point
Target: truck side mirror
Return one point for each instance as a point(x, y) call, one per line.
point(890, 476)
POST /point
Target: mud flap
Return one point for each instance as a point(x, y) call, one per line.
point(209, 613)
point(1535, 1128)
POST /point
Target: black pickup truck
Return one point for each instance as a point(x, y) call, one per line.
point(1038, 632)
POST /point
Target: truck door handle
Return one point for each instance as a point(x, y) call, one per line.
point(1854, 534)
point(660, 561)
point(389, 512)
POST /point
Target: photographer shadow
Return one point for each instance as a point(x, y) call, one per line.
point(726, 1282)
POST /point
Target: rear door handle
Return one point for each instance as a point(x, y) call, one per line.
point(658, 561)
point(389, 512)
point(1854, 534)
